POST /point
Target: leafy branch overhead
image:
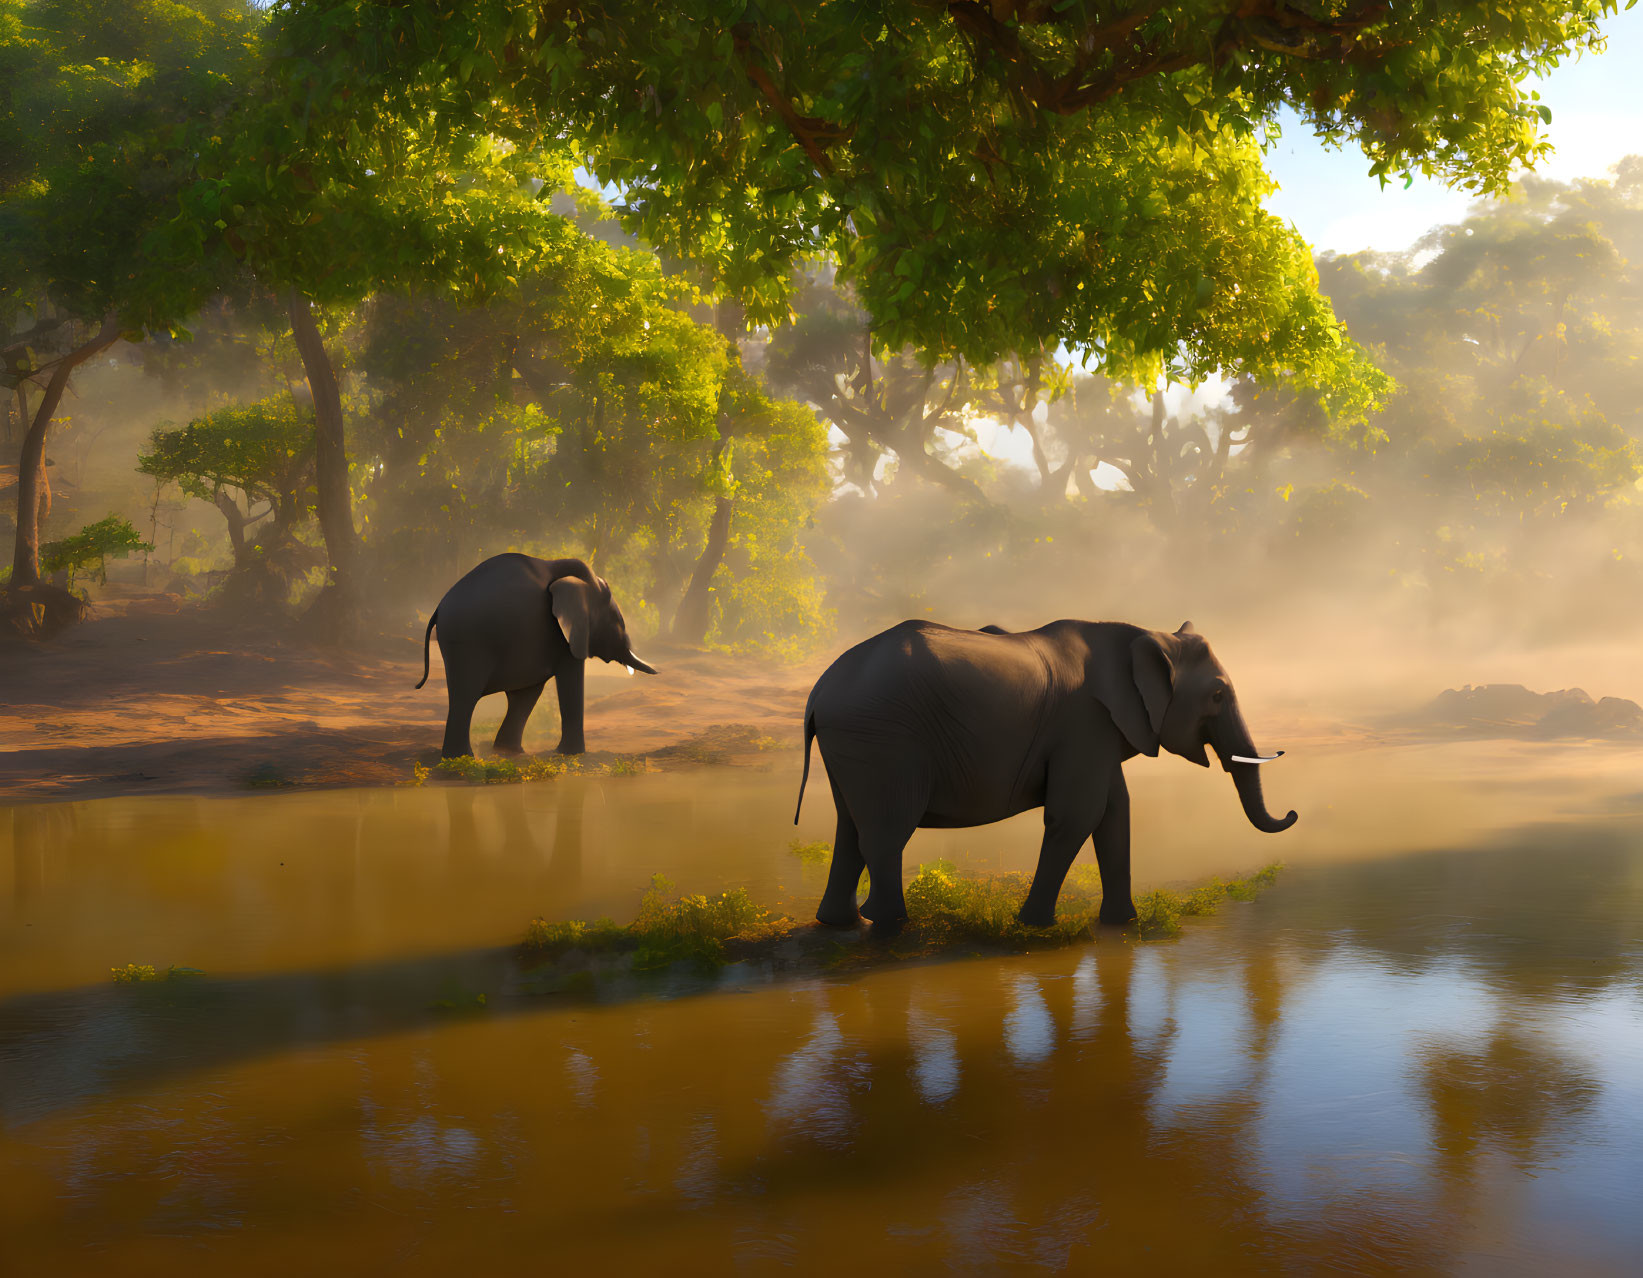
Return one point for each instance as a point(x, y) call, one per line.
point(992, 177)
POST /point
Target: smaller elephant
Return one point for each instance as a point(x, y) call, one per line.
point(512, 624)
point(927, 726)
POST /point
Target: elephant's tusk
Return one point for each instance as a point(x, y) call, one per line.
point(1264, 758)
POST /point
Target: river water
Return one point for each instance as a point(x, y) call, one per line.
point(1422, 1051)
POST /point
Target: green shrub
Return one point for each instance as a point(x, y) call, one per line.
point(816, 853)
point(574, 934)
point(669, 928)
point(92, 546)
point(539, 768)
point(141, 973)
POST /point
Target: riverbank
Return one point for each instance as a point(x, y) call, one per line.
point(152, 696)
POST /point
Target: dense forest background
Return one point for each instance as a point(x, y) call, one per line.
point(751, 481)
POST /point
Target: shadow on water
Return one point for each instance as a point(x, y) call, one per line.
point(1054, 1112)
point(1506, 910)
point(1425, 1064)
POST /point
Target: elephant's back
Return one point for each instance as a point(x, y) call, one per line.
point(933, 680)
point(504, 595)
point(500, 572)
point(960, 709)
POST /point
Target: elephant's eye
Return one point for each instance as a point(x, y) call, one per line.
point(1217, 696)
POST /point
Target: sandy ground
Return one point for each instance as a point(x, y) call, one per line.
point(151, 696)
point(156, 696)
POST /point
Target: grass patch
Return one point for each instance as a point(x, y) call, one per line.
point(143, 973)
point(1159, 912)
point(670, 929)
point(574, 934)
point(816, 853)
point(947, 910)
point(547, 767)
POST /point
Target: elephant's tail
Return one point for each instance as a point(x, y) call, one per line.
point(425, 635)
point(809, 736)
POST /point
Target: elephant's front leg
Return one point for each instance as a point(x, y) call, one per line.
point(1112, 852)
point(1055, 858)
point(567, 680)
point(1072, 806)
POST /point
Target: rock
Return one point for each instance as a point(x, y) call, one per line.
point(1511, 710)
point(1612, 717)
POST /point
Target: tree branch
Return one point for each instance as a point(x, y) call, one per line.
point(811, 132)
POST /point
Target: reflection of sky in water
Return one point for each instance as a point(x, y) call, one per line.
point(983, 1226)
point(809, 1092)
point(1591, 1186)
point(583, 1075)
point(1149, 1005)
point(1208, 1056)
point(1339, 1109)
point(1086, 1000)
point(1029, 1030)
point(935, 1057)
point(420, 1149)
point(1020, 1113)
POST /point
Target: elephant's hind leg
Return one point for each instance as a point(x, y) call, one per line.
point(886, 795)
point(882, 843)
point(838, 903)
point(510, 737)
point(458, 720)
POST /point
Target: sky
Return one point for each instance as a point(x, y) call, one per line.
point(1597, 118)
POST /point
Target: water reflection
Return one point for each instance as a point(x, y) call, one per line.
point(1301, 1105)
point(936, 1069)
point(1394, 1067)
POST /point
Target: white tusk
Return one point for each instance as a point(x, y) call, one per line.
point(1265, 758)
point(628, 671)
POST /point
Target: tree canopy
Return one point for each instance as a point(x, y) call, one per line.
point(991, 178)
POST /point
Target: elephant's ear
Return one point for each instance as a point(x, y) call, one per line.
point(1137, 692)
point(571, 610)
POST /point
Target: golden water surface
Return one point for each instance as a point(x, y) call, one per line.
point(1422, 1051)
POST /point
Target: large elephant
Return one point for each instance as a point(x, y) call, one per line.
point(512, 624)
point(927, 726)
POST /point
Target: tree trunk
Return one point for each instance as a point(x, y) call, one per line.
point(236, 525)
point(334, 504)
point(695, 614)
point(31, 463)
point(690, 623)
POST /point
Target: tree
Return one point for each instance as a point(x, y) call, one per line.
point(1509, 450)
point(990, 178)
point(324, 208)
point(91, 547)
point(263, 451)
point(92, 133)
point(883, 402)
point(585, 412)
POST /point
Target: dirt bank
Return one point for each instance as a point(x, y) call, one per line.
point(151, 696)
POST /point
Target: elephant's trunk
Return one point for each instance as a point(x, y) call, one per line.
point(1235, 740)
